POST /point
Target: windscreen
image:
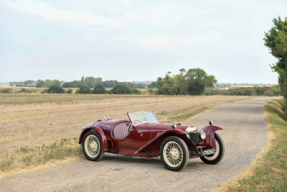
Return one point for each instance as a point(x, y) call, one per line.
point(142, 117)
point(151, 117)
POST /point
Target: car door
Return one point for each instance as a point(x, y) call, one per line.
point(138, 136)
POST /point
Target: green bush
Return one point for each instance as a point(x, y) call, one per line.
point(55, 89)
point(84, 90)
point(99, 89)
point(70, 91)
point(44, 91)
point(136, 91)
point(121, 89)
point(25, 91)
point(7, 90)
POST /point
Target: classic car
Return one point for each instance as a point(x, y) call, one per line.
point(143, 136)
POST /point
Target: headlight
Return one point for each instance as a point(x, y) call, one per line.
point(191, 129)
point(202, 134)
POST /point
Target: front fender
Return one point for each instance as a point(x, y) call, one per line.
point(101, 134)
point(155, 143)
point(210, 139)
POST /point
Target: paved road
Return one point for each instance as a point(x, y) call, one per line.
point(244, 136)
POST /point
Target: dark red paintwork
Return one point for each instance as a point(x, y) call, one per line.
point(144, 140)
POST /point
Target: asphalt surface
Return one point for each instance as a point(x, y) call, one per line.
point(244, 136)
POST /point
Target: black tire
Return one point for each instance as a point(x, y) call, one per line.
point(217, 157)
point(92, 146)
point(174, 150)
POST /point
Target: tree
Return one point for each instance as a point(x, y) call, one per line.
point(198, 80)
point(152, 85)
point(57, 83)
point(276, 41)
point(192, 82)
point(29, 82)
point(55, 89)
point(39, 83)
point(74, 84)
point(84, 90)
point(99, 89)
point(70, 91)
point(48, 83)
point(121, 89)
point(82, 79)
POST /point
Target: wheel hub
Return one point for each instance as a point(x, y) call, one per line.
point(174, 153)
point(93, 146)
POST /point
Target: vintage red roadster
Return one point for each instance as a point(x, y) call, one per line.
point(143, 136)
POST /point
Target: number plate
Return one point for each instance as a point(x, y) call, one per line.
point(208, 152)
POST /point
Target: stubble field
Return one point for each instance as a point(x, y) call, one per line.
point(29, 120)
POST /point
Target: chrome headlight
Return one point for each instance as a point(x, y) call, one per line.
point(202, 134)
point(191, 129)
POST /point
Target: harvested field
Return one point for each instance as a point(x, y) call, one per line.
point(29, 120)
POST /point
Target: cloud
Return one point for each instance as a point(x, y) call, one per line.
point(43, 9)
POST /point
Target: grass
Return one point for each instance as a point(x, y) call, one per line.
point(163, 113)
point(270, 171)
point(28, 157)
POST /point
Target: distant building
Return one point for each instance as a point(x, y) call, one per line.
point(31, 85)
point(4, 84)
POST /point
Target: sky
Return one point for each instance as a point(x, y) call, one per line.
point(131, 40)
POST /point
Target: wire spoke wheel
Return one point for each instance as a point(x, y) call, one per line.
point(215, 158)
point(174, 153)
point(92, 146)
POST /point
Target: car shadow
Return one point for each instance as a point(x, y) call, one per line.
point(193, 164)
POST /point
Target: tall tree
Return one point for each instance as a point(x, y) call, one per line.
point(276, 41)
point(39, 83)
point(82, 79)
point(198, 80)
point(48, 83)
point(192, 82)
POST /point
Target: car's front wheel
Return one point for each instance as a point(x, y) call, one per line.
point(174, 153)
point(217, 157)
point(92, 146)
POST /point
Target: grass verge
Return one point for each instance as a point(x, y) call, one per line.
point(269, 171)
point(29, 157)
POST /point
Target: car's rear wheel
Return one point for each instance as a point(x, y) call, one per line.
point(217, 157)
point(174, 153)
point(92, 146)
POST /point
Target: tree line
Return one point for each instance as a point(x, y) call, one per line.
point(250, 91)
point(98, 89)
point(90, 82)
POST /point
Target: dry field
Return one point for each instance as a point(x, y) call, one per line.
point(29, 120)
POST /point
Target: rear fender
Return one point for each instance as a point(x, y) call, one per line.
point(155, 143)
point(210, 139)
point(101, 134)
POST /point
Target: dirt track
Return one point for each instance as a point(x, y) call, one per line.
point(244, 136)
